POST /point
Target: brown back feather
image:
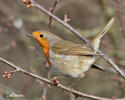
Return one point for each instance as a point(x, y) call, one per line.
point(69, 48)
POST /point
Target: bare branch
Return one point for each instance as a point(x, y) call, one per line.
point(77, 93)
point(52, 10)
point(71, 96)
point(46, 87)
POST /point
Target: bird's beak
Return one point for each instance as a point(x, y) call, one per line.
point(30, 35)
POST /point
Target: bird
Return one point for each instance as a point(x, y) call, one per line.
point(70, 58)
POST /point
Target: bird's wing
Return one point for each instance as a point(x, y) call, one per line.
point(69, 48)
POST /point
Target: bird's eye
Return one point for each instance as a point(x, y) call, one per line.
point(41, 35)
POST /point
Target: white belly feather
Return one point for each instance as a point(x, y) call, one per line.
point(71, 65)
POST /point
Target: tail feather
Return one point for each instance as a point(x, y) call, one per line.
point(95, 42)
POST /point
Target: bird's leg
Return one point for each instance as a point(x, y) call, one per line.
point(76, 81)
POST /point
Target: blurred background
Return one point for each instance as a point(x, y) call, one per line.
point(86, 16)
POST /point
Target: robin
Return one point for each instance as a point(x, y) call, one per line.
point(67, 57)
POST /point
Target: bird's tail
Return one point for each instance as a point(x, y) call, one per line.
point(95, 42)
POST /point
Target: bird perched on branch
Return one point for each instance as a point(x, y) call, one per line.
point(67, 57)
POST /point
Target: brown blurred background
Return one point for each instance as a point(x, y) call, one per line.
point(88, 17)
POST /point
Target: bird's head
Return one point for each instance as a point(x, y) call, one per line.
point(46, 40)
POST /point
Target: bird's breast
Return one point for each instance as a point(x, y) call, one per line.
point(70, 64)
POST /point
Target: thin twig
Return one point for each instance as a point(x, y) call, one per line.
point(46, 86)
point(52, 10)
point(77, 93)
point(71, 96)
point(41, 8)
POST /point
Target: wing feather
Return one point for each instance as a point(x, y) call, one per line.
point(69, 48)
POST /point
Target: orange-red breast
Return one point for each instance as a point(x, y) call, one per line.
point(67, 57)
